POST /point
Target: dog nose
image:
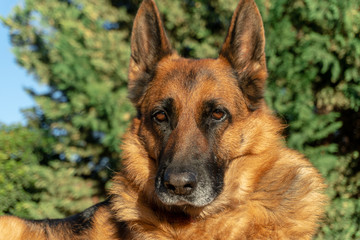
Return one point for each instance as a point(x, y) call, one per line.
point(180, 182)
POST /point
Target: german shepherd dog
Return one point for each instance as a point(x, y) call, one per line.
point(204, 157)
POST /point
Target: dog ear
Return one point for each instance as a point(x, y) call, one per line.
point(149, 44)
point(244, 49)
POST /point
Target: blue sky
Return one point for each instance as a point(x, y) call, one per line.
point(13, 78)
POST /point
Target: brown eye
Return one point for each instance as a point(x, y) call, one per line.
point(160, 116)
point(218, 115)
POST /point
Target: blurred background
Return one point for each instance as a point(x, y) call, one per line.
point(57, 157)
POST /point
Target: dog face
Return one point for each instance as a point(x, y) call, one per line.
point(188, 107)
point(185, 112)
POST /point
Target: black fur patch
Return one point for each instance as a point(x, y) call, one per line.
point(75, 223)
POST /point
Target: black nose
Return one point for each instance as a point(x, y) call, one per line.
point(179, 182)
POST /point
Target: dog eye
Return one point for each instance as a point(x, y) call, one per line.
point(160, 116)
point(218, 115)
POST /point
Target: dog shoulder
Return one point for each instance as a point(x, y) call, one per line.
point(95, 222)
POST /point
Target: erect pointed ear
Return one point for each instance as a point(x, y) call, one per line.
point(149, 45)
point(244, 49)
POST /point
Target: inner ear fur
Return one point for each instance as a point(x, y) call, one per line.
point(149, 44)
point(244, 49)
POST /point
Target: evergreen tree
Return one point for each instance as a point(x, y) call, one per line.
point(33, 184)
point(79, 49)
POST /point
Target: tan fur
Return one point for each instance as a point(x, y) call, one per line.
point(13, 228)
point(268, 192)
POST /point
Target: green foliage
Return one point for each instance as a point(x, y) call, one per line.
point(28, 187)
point(71, 47)
point(314, 84)
point(16, 144)
point(80, 49)
point(343, 214)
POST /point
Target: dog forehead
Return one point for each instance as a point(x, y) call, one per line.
point(189, 75)
point(191, 83)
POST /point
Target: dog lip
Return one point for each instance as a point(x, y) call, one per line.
point(176, 200)
point(182, 202)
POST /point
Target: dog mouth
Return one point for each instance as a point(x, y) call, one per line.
point(194, 200)
point(176, 187)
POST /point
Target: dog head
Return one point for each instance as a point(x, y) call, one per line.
point(190, 112)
